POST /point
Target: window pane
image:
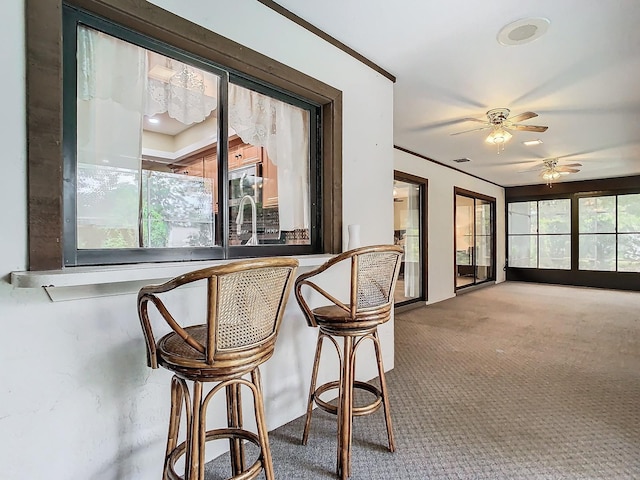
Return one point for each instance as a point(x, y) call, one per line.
point(597, 214)
point(523, 217)
point(597, 252)
point(629, 253)
point(523, 251)
point(555, 251)
point(483, 217)
point(268, 170)
point(143, 121)
point(464, 230)
point(629, 213)
point(554, 216)
point(484, 240)
point(484, 256)
point(178, 210)
point(107, 203)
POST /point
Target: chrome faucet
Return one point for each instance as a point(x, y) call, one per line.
point(253, 240)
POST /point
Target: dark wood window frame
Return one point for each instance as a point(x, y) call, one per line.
point(45, 123)
point(424, 225)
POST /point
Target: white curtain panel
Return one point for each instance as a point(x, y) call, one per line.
point(111, 90)
point(282, 129)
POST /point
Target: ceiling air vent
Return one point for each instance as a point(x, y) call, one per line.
point(462, 160)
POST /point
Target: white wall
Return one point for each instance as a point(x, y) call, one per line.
point(78, 401)
point(442, 180)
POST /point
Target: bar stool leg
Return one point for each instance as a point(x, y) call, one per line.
point(345, 410)
point(234, 420)
point(383, 391)
point(258, 403)
point(312, 389)
point(177, 402)
point(192, 462)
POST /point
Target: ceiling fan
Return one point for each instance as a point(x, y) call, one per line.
point(499, 121)
point(550, 170)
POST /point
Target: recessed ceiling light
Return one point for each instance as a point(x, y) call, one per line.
point(153, 120)
point(528, 143)
point(523, 31)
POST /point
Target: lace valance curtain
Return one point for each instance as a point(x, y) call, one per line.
point(185, 93)
point(283, 130)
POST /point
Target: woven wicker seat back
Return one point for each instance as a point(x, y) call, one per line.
point(375, 278)
point(248, 304)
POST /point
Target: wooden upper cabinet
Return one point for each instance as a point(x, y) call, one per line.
point(211, 171)
point(211, 165)
point(193, 167)
point(241, 154)
point(249, 154)
point(269, 182)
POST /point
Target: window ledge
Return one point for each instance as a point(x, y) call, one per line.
point(76, 283)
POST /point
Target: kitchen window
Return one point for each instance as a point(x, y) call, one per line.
point(172, 157)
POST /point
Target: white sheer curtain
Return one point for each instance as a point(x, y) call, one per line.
point(283, 130)
point(110, 105)
point(111, 92)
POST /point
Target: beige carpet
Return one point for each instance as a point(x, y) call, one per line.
point(514, 381)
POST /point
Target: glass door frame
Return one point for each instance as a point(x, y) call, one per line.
point(422, 184)
point(457, 191)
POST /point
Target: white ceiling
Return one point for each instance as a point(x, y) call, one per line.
point(582, 78)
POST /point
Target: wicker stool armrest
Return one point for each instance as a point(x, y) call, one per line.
point(300, 282)
point(145, 295)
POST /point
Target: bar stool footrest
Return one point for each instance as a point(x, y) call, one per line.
point(357, 410)
point(219, 434)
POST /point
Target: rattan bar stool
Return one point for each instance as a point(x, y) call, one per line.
point(245, 304)
point(374, 272)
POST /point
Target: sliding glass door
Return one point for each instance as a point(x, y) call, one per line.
point(409, 208)
point(474, 238)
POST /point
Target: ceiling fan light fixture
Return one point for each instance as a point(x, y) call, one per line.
point(499, 136)
point(551, 175)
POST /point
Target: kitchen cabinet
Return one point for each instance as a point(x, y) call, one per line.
point(193, 167)
point(269, 182)
point(211, 171)
point(241, 154)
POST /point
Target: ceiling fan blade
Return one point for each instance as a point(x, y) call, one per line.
point(469, 119)
point(534, 169)
point(473, 130)
point(523, 116)
point(567, 170)
point(571, 165)
point(528, 128)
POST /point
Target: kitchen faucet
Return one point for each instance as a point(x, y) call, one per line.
point(253, 240)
